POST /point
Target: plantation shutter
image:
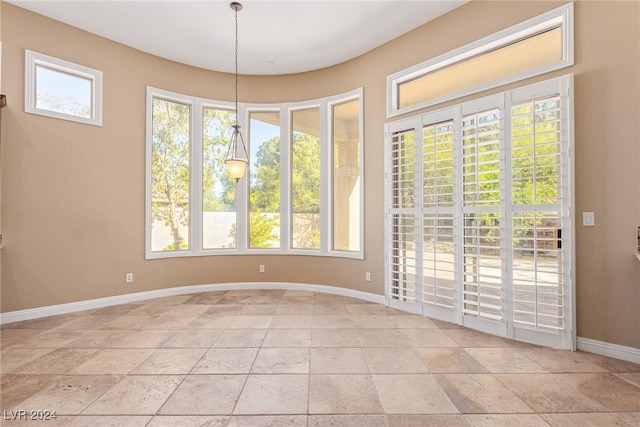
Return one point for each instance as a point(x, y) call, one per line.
point(479, 229)
point(481, 193)
point(538, 295)
point(438, 262)
point(402, 217)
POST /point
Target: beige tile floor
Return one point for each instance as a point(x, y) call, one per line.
point(293, 358)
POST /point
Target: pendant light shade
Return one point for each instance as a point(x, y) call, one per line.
point(236, 168)
point(236, 164)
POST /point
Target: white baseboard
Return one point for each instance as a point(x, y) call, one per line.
point(52, 310)
point(630, 354)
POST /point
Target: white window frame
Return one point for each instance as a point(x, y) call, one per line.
point(35, 59)
point(561, 17)
point(242, 205)
point(285, 192)
point(328, 199)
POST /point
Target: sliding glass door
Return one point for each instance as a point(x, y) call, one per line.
point(479, 230)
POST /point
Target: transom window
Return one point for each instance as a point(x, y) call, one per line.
point(302, 193)
point(533, 47)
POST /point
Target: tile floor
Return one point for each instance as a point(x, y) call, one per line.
point(293, 358)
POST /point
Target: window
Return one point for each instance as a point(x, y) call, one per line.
point(346, 176)
point(170, 175)
point(534, 47)
point(289, 201)
point(63, 90)
point(219, 219)
point(305, 179)
point(264, 179)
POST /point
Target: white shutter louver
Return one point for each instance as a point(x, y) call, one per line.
point(482, 263)
point(402, 221)
point(438, 257)
point(538, 297)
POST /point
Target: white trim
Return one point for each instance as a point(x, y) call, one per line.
point(616, 351)
point(630, 354)
point(35, 59)
point(331, 103)
point(195, 114)
point(53, 310)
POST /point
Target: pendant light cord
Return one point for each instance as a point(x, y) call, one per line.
point(236, 127)
point(236, 57)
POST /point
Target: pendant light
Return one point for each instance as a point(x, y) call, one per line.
point(236, 164)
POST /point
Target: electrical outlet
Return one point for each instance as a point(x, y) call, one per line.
point(588, 219)
point(367, 276)
point(128, 278)
point(261, 268)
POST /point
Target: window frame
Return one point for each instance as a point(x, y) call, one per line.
point(283, 125)
point(322, 136)
point(330, 159)
point(33, 60)
point(242, 194)
point(195, 204)
point(561, 17)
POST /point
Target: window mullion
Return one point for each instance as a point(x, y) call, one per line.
point(458, 217)
point(242, 187)
point(326, 237)
point(506, 221)
point(286, 146)
point(195, 187)
point(419, 214)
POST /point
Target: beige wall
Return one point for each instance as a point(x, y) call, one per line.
point(73, 196)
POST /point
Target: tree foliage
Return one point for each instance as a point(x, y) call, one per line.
point(69, 105)
point(170, 168)
point(264, 195)
point(218, 188)
point(305, 191)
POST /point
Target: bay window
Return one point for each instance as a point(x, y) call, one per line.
point(302, 193)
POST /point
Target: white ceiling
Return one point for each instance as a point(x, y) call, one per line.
point(275, 37)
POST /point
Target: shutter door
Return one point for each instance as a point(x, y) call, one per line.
point(402, 263)
point(438, 257)
point(481, 193)
point(538, 288)
point(478, 215)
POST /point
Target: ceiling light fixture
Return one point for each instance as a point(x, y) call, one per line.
point(236, 164)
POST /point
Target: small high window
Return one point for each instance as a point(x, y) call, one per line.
point(62, 89)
